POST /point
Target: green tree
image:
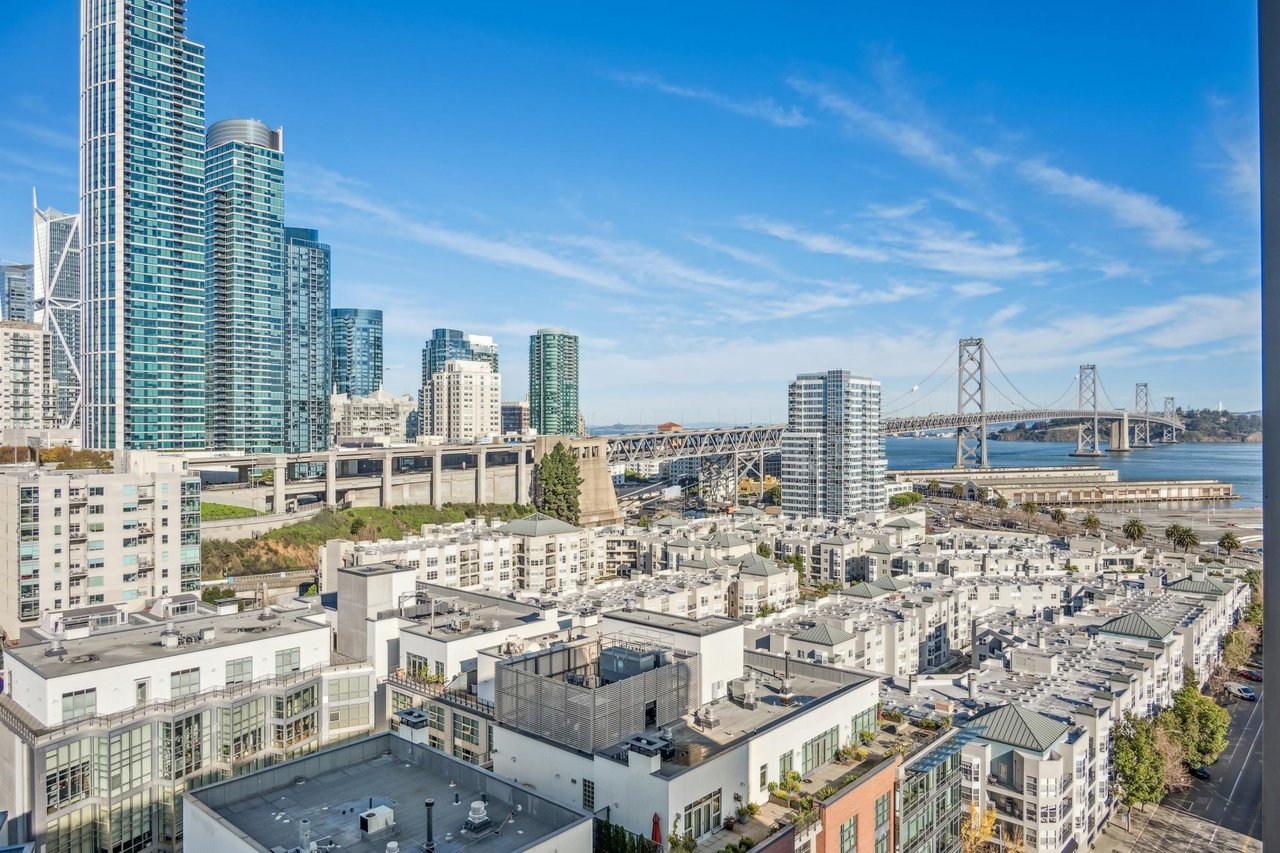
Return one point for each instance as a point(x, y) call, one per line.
point(1091, 523)
point(957, 491)
point(933, 487)
point(1186, 539)
point(774, 494)
point(1229, 542)
point(560, 485)
point(1058, 514)
point(1171, 533)
point(1136, 761)
point(1197, 723)
point(644, 522)
point(1002, 502)
point(214, 594)
point(983, 493)
point(1029, 507)
point(764, 550)
point(1134, 530)
point(905, 499)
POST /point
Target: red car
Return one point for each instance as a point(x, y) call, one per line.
point(1248, 675)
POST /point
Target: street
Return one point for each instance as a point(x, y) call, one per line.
point(1225, 814)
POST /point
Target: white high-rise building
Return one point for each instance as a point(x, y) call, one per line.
point(466, 401)
point(26, 399)
point(833, 462)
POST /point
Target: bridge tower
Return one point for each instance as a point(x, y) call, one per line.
point(1087, 433)
point(1141, 408)
point(971, 398)
point(1170, 411)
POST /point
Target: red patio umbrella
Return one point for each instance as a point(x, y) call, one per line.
point(657, 829)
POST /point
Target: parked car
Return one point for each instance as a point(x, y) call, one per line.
point(1248, 675)
point(1241, 691)
point(1200, 772)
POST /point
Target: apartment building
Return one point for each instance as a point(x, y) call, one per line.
point(75, 539)
point(379, 417)
point(28, 392)
point(108, 719)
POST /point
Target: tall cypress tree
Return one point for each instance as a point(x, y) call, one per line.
point(559, 485)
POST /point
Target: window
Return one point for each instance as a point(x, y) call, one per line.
point(239, 671)
point(79, 704)
point(849, 835)
point(588, 795)
point(351, 687)
point(185, 745)
point(400, 701)
point(764, 776)
point(466, 728)
point(296, 702)
point(141, 690)
point(882, 811)
point(346, 716)
point(785, 762)
point(288, 660)
point(820, 750)
point(69, 777)
point(184, 682)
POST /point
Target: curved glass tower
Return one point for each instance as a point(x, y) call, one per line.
point(553, 382)
point(357, 350)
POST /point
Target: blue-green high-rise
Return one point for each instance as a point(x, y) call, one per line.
point(553, 382)
point(308, 347)
point(357, 350)
point(245, 287)
point(142, 226)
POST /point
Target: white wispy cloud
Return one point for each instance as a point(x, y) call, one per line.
point(43, 133)
point(813, 241)
point(970, 289)
point(942, 248)
point(1235, 135)
point(766, 109)
point(909, 138)
point(1163, 227)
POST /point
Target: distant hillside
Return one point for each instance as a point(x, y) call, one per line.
point(1202, 425)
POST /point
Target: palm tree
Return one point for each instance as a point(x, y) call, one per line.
point(1091, 523)
point(933, 487)
point(1029, 507)
point(1171, 532)
point(1228, 542)
point(983, 493)
point(1058, 515)
point(957, 491)
point(1002, 502)
point(1186, 539)
point(1134, 530)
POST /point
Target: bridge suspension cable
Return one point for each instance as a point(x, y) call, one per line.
point(1016, 390)
point(1111, 403)
point(950, 358)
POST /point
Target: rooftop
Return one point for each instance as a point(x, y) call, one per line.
point(537, 525)
point(332, 788)
point(677, 624)
point(140, 640)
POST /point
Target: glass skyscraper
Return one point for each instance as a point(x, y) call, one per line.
point(142, 224)
point(308, 348)
point(447, 344)
point(553, 382)
point(16, 292)
point(357, 350)
point(244, 287)
point(833, 462)
point(57, 304)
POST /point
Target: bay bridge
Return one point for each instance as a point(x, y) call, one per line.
point(1123, 429)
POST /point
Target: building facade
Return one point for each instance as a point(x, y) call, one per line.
point(17, 298)
point(465, 400)
point(26, 390)
point(142, 222)
point(57, 304)
point(380, 417)
point(245, 269)
point(833, 462)
point(307, 340)
point(553, 382)
point(107, 730)
point(357, 350)
point(515, 416)
point(83, 539)
point(449, 344)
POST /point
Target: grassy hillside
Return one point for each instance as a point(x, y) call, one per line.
point(295, 546)
point(223, 512)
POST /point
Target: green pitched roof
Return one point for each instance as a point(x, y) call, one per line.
point(1018, 726)
point(754, 564)
point(537, 524)
point(823, 635)
point(862, 589)
point(1204, 586)
point(880, 549)
point(1136, 625)
point(669, 521)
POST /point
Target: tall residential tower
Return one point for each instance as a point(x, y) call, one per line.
point(142, 226)
point(449, 345)
point(308, 348)
point(16, 293)
point(244, 322)
point(357, 350)
point(57, 304)
point(833, 462)
point(553, 382)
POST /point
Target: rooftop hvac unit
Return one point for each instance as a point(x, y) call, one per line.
point(376, 820)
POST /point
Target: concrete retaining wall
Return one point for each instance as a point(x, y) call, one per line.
point(245, 528)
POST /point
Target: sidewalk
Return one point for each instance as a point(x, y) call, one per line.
point(1114, 839)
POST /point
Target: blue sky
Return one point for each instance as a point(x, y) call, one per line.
point(718, 196)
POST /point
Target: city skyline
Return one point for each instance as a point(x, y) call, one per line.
point(803, 203)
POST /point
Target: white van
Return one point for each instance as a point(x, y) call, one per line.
point(1241, 691)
